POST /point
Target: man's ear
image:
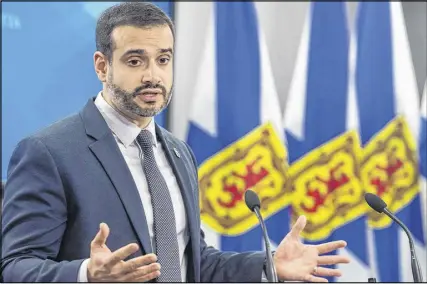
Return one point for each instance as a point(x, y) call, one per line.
point(101, 65)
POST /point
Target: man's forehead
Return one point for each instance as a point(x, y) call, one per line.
point(126, 35)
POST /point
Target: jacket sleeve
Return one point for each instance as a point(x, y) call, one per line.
point(34, 218)
point(217, 266)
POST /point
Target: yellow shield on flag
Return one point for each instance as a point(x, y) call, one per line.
point(257, 161)
point(389, 169)
point(327, 186)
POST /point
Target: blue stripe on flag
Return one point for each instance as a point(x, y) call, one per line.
point(202, 144)
point(278, 225)
point(326, 99)
point(238, 70)
point(374, 73)
point(327, 75)
point(238, 87)
point(411, 216)
point(375, 92)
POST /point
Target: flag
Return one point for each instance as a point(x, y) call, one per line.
point(323, 149)
point(388, 107)
point(235, 132)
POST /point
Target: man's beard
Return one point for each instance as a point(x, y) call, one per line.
point(125, 100)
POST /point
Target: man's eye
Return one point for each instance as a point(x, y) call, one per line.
point(134, 62)
point(164, 60)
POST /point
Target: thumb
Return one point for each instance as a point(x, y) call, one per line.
point(101, 236)
point(298, 227)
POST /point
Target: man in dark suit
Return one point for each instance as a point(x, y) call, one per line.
point(108, 195)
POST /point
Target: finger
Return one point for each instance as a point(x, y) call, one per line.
point(332, 259)
point(322, 271)
point(101, 236)
point(331, 246)
point(147, 277)
point(311, 278)
point(298, 226)
point(137, 262)
point(143, 271)
point(120, 254)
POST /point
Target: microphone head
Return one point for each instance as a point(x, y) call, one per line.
point(252, 200)
point(375, 202)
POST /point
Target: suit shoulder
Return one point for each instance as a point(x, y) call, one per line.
point(64, 129)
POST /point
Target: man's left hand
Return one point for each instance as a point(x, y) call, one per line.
point(295, 261)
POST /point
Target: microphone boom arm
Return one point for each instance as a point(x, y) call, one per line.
point(271, 270)
point(416, 270)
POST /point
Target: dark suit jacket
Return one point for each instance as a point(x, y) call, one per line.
point(66, 179)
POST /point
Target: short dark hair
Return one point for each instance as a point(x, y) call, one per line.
point(136, 14)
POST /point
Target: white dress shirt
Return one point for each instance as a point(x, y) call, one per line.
point(125, 133)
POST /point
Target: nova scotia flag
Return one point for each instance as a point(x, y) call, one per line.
point(386, 88)
point(234, 94)
point(317, 112)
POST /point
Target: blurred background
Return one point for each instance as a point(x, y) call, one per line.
point(321, 73)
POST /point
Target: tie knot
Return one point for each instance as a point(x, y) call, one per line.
point(145, 139)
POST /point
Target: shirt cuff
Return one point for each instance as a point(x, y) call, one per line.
point(82, 277)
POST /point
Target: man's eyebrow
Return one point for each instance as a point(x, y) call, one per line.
point(166, 50)
point(133, 51)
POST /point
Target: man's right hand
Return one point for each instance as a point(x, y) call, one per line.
point(107, 266)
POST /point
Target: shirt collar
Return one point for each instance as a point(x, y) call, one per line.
point(125, 130)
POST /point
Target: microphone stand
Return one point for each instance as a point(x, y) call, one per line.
point(271, 270)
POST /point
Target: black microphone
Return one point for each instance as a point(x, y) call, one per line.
point(253, 203)
point(380, 206)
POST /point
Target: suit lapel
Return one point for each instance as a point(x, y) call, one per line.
point(181, 174)
point(108, 153)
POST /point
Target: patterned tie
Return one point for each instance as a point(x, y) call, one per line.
point(164, 218)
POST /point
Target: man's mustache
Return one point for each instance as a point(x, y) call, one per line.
point(149, 86)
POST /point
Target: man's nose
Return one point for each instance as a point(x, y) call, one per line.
point(151, 76)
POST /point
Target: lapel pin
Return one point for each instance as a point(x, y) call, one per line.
point(177, 153)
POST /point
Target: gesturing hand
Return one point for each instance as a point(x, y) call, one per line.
point(107, 266)
point(296, 261)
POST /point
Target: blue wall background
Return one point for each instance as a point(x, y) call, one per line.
point(47, 67)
